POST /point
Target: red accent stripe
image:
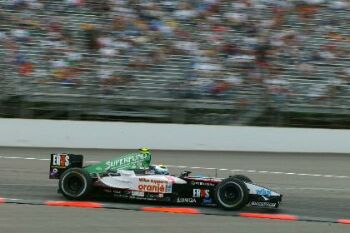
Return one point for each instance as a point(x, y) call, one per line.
point(171, 210)
point(270, 216)
point(344, 221)
point(2, 200)
point(81, 204)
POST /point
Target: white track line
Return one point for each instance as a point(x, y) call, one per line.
point(29, 185)
point(210, 168)
point(264, 172)
point(311, 189)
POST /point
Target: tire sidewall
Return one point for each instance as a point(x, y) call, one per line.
point(240, 185)
point(79, 173)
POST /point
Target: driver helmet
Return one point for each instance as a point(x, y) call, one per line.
point(160, 169)
point(144, 150)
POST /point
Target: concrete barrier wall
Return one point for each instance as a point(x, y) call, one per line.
point(116, 135)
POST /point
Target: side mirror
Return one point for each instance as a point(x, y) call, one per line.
point(185, 173)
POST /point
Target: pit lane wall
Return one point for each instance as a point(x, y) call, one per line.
point(118, 135)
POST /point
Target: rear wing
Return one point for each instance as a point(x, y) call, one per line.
point(62, 161)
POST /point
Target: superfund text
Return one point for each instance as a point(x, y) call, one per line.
point(126, 161)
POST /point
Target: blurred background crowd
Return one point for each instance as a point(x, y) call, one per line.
point(236, 62)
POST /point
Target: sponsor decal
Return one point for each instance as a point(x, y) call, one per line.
point(152, 195)
point(207, 201)
point(155, 188)
point(137, 194)
point(169, 188)
point(145, 180)
point(201, 193)
point(129, 161)
point(201, 183)
point(263, 192)
point(61, 160)
point(185, 200)
point(126, 161)
point(153, 185)
point(54, 173)
point(263, 204)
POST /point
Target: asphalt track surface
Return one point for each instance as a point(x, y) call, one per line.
point(313, 185)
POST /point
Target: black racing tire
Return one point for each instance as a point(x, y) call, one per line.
point(231, 194)
point(75, 184)
point(242, 178)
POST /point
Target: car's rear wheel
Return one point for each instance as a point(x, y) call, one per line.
point(231, 194)
point(75, 184)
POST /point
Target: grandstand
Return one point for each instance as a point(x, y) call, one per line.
point(243, 62)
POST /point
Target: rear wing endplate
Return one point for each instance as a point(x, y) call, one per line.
point(60, 162)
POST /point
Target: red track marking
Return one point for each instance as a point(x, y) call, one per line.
point(171, 210)
point(270, 216)
point(81, 204)
point(344, 221)
point(2, 200)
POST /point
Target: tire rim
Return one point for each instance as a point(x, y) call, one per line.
point(74, 184)
point(230, 195)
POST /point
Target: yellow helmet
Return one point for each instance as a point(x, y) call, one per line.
point(144, 150)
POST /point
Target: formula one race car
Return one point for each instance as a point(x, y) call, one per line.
point(132, 177)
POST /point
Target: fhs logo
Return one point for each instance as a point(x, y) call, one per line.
point(61, 160)
point(201, 193)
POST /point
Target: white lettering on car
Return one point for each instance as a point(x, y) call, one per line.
point(61, 160)
point(186, 200)
point(263, 204)
point(125, 161)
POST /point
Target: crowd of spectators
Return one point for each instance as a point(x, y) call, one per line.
point(280, 49)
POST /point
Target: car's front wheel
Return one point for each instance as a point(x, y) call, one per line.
point(75, 184)
point(231, 194)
